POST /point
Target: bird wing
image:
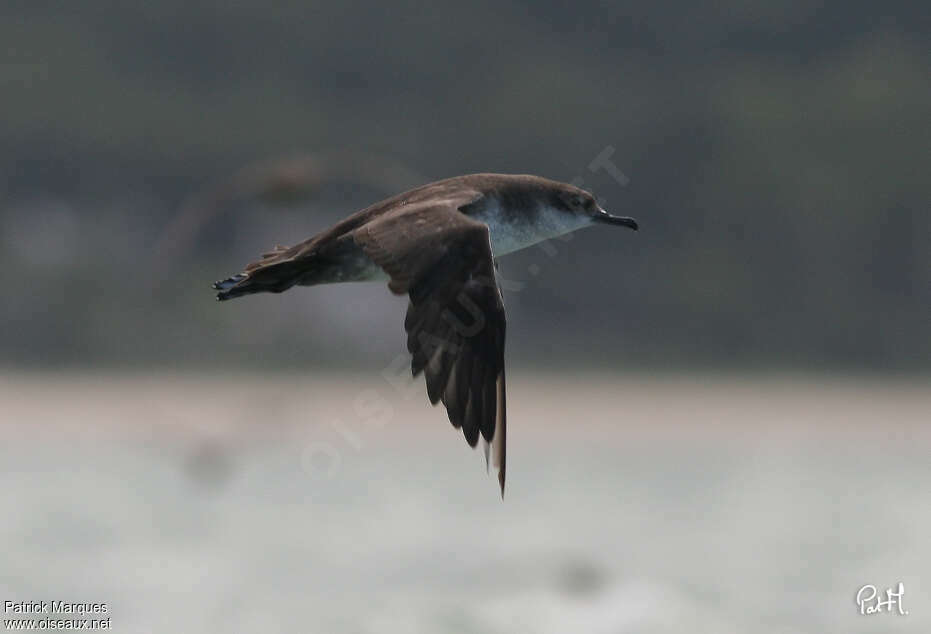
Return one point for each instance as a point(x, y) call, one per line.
point(455, 320)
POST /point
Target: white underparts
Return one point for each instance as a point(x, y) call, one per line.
point(509, 234)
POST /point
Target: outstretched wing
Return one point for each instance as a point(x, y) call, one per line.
point(455, 320)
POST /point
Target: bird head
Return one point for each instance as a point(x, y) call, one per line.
point(571, 199)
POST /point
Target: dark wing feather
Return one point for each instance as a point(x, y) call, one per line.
point(455, 320)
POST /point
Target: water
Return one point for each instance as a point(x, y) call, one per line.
point(343, 504)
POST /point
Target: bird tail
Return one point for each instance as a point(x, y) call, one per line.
point(276, 272)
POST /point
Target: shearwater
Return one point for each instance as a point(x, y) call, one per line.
point(438, 243)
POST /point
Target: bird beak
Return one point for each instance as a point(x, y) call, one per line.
point(606, 218)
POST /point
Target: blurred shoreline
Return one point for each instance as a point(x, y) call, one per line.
point(811, 403)
point(633, 504)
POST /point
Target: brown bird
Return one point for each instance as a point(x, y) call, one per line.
point(438, 244)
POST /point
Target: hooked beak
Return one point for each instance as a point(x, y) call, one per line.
point(604, 217)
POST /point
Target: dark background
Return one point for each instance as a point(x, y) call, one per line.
point(777, 156)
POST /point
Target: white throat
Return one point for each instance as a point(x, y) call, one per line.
point(513, 233)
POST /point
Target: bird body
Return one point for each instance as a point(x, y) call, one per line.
point(438, 244)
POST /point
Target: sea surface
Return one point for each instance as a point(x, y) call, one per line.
point(345, 503)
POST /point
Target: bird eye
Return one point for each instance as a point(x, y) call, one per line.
point(577, 201)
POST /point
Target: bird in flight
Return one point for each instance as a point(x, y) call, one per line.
point(437, 244)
